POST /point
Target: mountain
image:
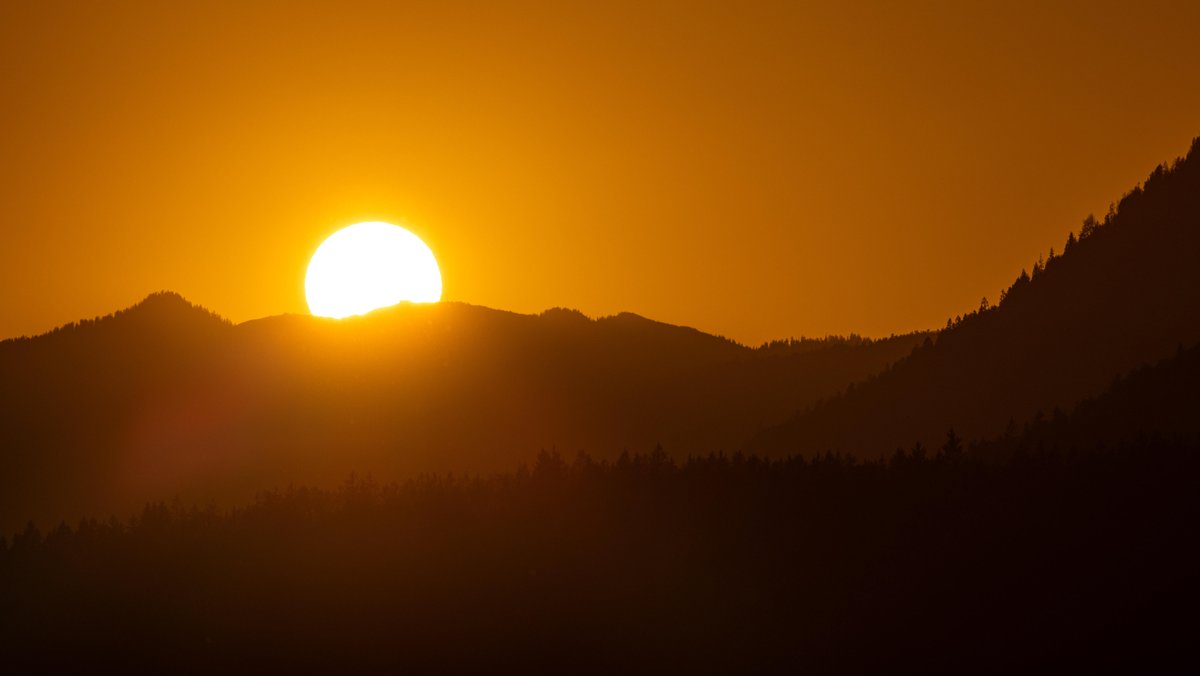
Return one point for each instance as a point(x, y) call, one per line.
point(1124, 293)
point(166, 398)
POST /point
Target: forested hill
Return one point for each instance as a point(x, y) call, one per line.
point(1123, 293)
point(166, 398)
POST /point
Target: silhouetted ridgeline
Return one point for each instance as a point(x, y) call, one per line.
point(1124, 293)
point(168, 399)
point(931, 563)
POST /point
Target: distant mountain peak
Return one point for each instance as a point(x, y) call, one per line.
point(565, 313)
point(168, 304)
point(159, 313)
point(165, 297)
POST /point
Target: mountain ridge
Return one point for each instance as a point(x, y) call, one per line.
point(167, 398)
point(1124, 293)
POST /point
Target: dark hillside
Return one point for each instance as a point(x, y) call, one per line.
point(1124, 293)
point(65, 397)
point(1046, 562)
point(167, 399)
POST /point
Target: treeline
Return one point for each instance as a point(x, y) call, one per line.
point(806, 344)
point(925, 558)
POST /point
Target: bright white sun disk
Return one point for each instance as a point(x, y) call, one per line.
point(367, 266)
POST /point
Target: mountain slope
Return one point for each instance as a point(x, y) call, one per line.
point(1124, 294)
point(167, 399)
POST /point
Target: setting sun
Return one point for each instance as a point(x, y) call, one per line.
point(367, 266)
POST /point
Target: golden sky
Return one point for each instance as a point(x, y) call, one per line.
point(757, 170)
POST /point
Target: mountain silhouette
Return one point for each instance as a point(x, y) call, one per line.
point(167, 398)
point(1123, 294)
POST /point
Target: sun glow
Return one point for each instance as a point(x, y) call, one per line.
point(367, 266)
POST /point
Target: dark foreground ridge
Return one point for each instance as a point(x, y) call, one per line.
point(939, 562)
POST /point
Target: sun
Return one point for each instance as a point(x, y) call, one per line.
point(367, 266)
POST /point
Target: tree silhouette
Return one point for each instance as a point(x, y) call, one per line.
point(718, 562)
point(953, 448)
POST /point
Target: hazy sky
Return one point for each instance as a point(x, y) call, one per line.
point(757, 170)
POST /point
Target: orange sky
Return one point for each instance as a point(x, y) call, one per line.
point(756, 170)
